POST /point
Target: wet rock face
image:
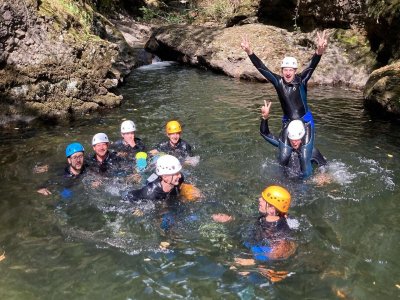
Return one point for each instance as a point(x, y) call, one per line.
point(382, 90)
point(51, 72)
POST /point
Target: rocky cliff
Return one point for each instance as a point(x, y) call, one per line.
point(59, 58)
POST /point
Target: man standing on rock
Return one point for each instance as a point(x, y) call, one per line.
point(291, 87)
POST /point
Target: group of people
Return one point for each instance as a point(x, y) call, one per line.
point(128, 155)
point(296, 153)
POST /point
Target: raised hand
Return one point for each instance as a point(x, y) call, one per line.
point(322, 42)
point(265, 109)
point(246, 45)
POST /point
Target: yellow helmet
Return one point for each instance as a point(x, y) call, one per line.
point(173, 127)
point(278, 197)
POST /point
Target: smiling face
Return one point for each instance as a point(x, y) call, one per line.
point(174, 137)
point(174, 179)
point(288, 74)
point(101, 150)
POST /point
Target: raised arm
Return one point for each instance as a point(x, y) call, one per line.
point(270, 76)
point(264, 129)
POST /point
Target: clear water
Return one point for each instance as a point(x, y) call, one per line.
point(91, 246)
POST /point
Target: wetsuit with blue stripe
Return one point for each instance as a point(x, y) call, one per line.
point(293, 98)
point(265, 234)
point(292, 95)
point(295, 161)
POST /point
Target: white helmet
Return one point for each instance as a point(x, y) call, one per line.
point(100, 138)
point(296, 130)
point(167, 165)
point(289, 62)
point(128, 126)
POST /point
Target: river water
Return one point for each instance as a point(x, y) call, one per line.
point(90, 246)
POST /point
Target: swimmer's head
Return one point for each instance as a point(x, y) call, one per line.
point(168, 165)
point(100, 138)
point(73, 148)
point(173, 127)
point(296, 130)
point(289, 67)
point(128, 126)
point(289, 62)
point(278, 197)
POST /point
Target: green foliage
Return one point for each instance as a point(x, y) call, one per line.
point(220, 9)
point(68, 13)
point(150, 14)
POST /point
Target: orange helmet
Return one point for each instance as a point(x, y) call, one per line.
point(173, 127)
point(278, 197)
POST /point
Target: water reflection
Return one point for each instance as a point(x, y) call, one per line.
point(347, 230)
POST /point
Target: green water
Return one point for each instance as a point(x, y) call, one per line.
point(90, 246)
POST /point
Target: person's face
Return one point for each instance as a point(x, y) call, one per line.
point(76, 160)
point(128, 137)
point(172, 179)
point(295, 144)
point(271, 210)
point(174, 137)
point(288, 74)
point(101, 149)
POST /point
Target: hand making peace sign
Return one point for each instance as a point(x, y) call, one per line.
point(322, 42)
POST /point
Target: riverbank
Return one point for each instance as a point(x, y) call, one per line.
point(62, 61)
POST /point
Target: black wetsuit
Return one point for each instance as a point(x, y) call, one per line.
point(293, 99)
point(69, 174)
point(181, 150)
point(121, 146)
point(153, 191)
point(293, 95)
point(298, 162)
point(65, 181)
point(264, 234)
point(111, 162)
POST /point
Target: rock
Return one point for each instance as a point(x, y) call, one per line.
point(382, 90)
point(55, 65)
point(219, 49)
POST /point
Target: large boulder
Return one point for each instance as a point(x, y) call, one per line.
point(382, 90)
point(219, 49)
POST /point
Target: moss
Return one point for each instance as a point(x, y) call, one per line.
point(74, 17)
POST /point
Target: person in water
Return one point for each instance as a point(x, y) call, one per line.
point(168, 182)
point(102, 159)
point(294, 149)
point(175, 145)
point(129, 145)
point(291, 87)
point(75, 165)
point(270, 238)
